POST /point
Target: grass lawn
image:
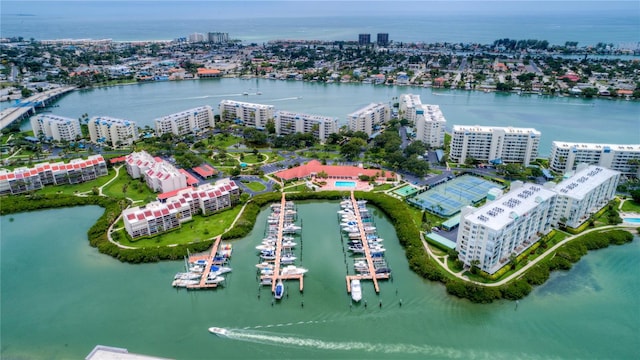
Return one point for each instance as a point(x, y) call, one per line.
point(135, 189)
point(194, 230)
point(228, 162)
point(223, 141)
point(256, 186)
point(296, 188)
point(250, 159)
point(77, 188)
point(631, 206)
point(383, 187)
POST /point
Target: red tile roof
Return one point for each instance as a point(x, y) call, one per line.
point(314, 166)
point(190, 179)
point(166, 195)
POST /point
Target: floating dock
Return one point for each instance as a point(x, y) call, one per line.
point(367, 253)
point(276, 265)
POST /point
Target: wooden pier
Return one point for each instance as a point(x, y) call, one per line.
point(365, 245)
point(207, 269)
point(276, 265)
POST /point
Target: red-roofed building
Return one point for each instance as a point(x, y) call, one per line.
point(159, 175)
point(207, 73)
point(190, 179)
point(314, 167)
point(205, 171)
point(178, 206)
point(24, 179)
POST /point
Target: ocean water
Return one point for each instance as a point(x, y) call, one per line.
point(60, 297)
point(589, 22)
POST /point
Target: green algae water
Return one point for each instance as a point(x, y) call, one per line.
point(60, 298)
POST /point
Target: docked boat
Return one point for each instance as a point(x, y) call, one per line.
point(268, 256)
point(187, 276)
point(219, 331)
point(184, 283)
point(288, 244)
point(264, 265)
point(287, 259)
point(215, 280)
point(293, 270)
point(219, 270)
point(264, 247)
point(356, 290)
point(291, 228)
point(279, 291)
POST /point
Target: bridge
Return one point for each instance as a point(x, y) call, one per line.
point(27, 107)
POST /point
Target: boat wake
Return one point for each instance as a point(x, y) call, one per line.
point(289, 98)
point(269, 338)
point(208, 96)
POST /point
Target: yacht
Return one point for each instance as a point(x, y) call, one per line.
point(356, 290)
point(264, 265)
point(293, 270)
point(287, 259)
point(215, 280)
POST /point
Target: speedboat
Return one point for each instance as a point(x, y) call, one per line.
point(264, 265)
point(293, 270)
point(356, 290)
point(265, 247)
point(219, 331)
point(187, 276)
point(215, 280)
point(287, 259)
point(279, 291)
point(288, 244)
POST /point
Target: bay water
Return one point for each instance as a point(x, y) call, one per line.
point(557, 118)
point(60, 298)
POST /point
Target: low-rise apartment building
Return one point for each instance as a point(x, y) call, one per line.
point(565, 156)
point(25, 179)
point(159, 175)
point(112, 131)
point(186, 122)
point(57, 128)
point(494, 144)
point(584, 193)
point(178, 207)
point(249, 114)
point(369, 118)
point(288, 122)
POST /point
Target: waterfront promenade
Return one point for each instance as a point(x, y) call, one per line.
point(27, 106)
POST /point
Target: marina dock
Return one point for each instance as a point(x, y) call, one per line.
point(372, 275)
point(276, 275)
point(207, 269)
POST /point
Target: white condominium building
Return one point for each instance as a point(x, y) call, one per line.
point(112, 131)
point(489, 235)
point(497, 144)
point(320, 126)
point(76, 171)
point(584, 193)
point(186, 122)
point(430, 125)
point(170, 212)
point(55, 127)
point(565, 156)
point(407, 106)
point(159, 175)
point(249, 114)
point(369, 118)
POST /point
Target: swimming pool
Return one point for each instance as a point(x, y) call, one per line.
point(350, 184)
point(632, 220)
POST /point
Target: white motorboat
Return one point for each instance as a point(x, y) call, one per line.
point(356, 290)
point(279, 290)
point(184, 283)
point(287, 259)
point(264, 265)
point(293, 270)
point(264, 247)
point(187, 276)
point(219, 331)
point(289, 244)
point(215, 280)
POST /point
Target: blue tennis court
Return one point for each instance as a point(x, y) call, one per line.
point(448, 198)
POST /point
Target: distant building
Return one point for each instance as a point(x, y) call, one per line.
point(565, 156)
point(430, 125)
point(494, 144)
point(56, 128)
point(290, 122)
point(112, 131)
point(369, 118)
point(218, 37)
point(24, 179)
point(179, 206)
point(383, 39)
point(364, 39)
point(428, 120)
point(196, 37)
point(186, 122)
point(584, 193)
point(255, 115)
point(491, 234)
point(159, 175)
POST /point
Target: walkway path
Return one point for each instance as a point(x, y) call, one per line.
point(442, 259)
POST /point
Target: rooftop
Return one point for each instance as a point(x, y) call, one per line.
point(514, 204)
point(315, 167)
point(583, 181)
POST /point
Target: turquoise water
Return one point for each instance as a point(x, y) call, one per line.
point(61, 297)
point(632, 220)
point(350, 184)
point(559, 118)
